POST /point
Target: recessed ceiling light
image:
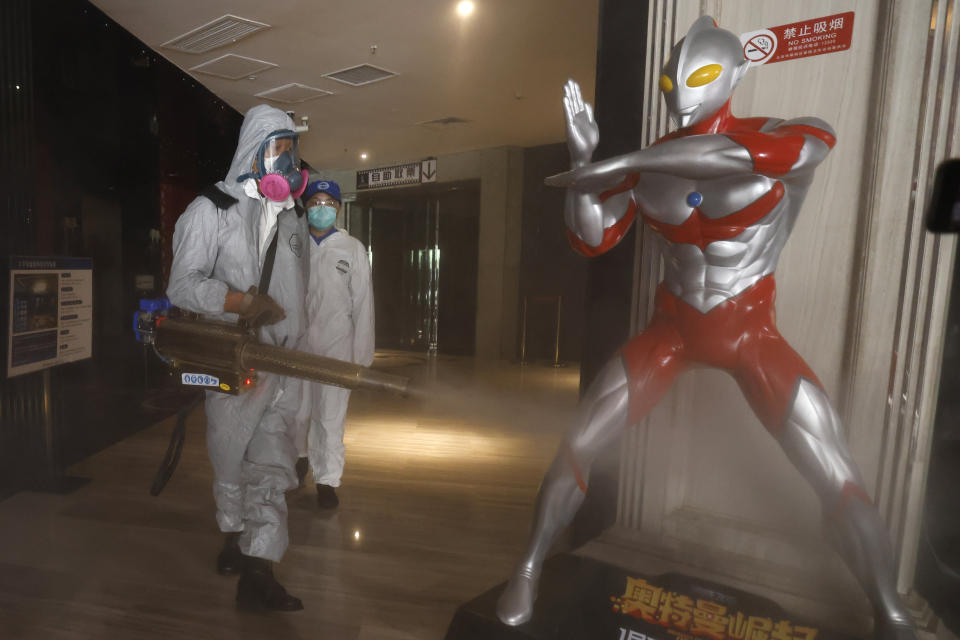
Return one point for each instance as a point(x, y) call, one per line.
point(363, 156)
point(465, 8)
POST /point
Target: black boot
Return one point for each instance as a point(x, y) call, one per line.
point(258, 589)
point(302, 466)
point(230, 559)
point(327, 497)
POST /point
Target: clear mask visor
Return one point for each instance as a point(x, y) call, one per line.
point(279, 153)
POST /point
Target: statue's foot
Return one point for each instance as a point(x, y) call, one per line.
point(515, 605)
point(888, 630)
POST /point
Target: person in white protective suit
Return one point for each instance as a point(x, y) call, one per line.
point(340, 325)
point(222, 250)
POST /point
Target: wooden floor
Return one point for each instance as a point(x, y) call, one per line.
point(435, 505)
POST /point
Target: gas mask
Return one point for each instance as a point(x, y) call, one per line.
point(277, 167)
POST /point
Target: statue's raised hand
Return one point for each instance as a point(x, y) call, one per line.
point(583, 134)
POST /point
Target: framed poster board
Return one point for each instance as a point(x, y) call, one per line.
point(51, 312)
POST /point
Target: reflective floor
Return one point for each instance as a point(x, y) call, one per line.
point(435, 504)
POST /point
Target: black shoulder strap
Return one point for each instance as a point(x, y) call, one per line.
point(267, 270)
point(218, 197)
point(225, 201)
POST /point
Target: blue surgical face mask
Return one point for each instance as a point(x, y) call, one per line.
point(322, 217)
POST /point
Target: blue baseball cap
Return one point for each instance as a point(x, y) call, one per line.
point(328, 187)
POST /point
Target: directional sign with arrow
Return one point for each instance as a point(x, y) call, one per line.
point(428, 170)
point(398, 175)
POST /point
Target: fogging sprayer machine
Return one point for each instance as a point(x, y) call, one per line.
point(225, 357)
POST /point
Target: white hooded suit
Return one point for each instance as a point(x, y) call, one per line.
point(249, 437)
point(340, 325)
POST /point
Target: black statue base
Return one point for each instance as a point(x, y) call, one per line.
point(582, 598)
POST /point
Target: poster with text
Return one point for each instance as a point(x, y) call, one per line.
point(51, 312)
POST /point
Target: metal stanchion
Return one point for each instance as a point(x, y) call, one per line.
point(52, 474)
point(523, 334)
point(54, 479)
point(433, 337)
point(556, 346)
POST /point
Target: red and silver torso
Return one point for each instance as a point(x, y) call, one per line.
point(719, 236)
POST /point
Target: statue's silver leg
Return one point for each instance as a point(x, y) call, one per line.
point(601, 417)
point(615, 398)
point(812, 440)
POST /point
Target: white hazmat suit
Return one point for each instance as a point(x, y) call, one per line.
point(340, 325)
point(250, 437)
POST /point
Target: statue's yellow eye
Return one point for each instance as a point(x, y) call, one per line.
point(704, 75)
point(665, 84)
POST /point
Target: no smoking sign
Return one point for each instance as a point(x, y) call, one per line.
point(829, 34)
point(759, 46)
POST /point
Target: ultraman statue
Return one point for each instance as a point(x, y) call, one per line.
point(723, 194)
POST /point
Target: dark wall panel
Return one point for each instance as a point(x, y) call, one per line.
point(621, 56)
point(99, 123)
point(19, 401)
point(548, 266)
point(459, 252)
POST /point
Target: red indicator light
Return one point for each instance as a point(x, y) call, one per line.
point(247, 382)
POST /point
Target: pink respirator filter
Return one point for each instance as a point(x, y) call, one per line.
point(276, 187)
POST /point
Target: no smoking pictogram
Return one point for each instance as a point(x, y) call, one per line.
point(758, 46)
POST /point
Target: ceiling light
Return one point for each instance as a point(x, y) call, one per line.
point(465, 8)
point(363, 156)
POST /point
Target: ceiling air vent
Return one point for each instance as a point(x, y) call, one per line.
point(443, 121)
point(233, 67)
point(222, 31)
point(293, 92)
point(360, 75)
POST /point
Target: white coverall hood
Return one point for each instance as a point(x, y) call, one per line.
point(259, 122)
